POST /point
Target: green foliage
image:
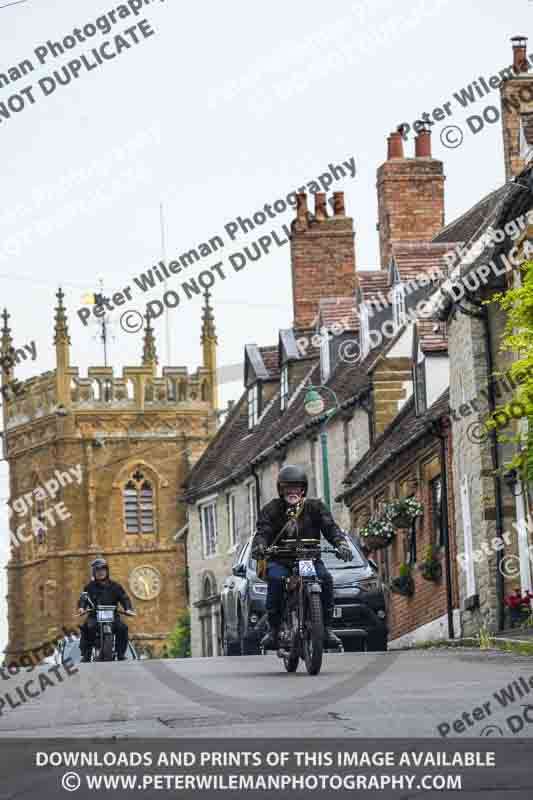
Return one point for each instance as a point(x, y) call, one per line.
point(518, 338)
point(404, 570)
point(179, 641)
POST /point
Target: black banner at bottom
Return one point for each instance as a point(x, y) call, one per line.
point(295, 768)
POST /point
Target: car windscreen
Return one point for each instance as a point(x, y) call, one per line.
point(332, 562)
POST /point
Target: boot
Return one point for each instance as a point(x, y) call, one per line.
point(271, 640)
point(331, 640)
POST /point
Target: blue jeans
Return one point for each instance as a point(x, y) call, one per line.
point(274, 602)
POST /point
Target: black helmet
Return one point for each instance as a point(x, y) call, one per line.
point(99, 563)
point(292, 474)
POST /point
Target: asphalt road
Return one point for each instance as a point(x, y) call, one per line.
point(395, 694)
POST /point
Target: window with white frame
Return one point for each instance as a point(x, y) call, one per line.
point(252, 506)
point(398, 299)
point(284, 386)
point(232, 520)
point(253, 405)
point(325, 365)
point(365, 330)
point(208, 519)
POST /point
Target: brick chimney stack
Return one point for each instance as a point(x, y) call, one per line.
point(322, 256)
point(516, 94)
point(410, 194)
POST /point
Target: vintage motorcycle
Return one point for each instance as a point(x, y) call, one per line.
point(105, 647)
point(302, 627)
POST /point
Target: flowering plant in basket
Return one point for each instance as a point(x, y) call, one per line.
point(378, 532)
point(402, 512)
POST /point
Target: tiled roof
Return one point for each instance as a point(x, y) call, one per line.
point(417, 258)
point(340, 310)
point(431, 340)
point(234, 447)
point(468, 224)
point(270, 357)
point(371, 282)
point(403, 432)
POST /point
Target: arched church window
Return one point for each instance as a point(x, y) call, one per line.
point(183, 390)
point(138, 495)
point(205, 391)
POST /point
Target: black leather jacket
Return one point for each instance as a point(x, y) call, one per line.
point(105, 593)
point(313, 520)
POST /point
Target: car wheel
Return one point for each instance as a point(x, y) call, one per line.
point(228, 648)
point(377, 642)
point(246, 648)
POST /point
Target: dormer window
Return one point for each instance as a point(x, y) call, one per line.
point(398, 299)
point(365, 330)
point(253, 405)
point(325, 364)
point(284, 386)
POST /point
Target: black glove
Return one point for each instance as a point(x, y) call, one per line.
point(345, 552)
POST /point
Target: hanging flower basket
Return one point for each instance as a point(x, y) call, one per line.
point(377, 534)
point(401, 513)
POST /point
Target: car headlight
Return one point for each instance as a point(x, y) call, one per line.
point(370, 584)
point(258, 588)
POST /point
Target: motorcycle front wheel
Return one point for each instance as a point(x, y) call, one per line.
point(292, 660)
point(313, 643)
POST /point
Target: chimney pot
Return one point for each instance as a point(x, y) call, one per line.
point(395, 145)
point(301, 207)
point(520, 63)
point(423, 144)
point(338, 204)
point(320, 206)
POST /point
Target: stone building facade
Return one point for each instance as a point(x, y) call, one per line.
point(133, 438)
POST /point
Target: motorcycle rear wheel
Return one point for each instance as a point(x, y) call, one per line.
point(313, 640)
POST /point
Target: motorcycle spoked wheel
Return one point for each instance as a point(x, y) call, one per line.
point(292, 660)
point(313, 638)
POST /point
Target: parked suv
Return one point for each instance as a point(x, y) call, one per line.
point(243, 601)
point(359, 616)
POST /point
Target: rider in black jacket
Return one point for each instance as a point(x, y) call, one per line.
point(103, 591)
point(310, 518)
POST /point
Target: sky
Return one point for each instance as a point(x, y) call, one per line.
point(210, 111)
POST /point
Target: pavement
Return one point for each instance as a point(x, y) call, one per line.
point(393, 694)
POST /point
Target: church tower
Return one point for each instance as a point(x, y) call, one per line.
point(96, 465)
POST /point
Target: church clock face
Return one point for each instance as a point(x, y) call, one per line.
point(145, 582)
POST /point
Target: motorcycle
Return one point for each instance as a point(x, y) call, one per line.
point(105, 647)
point(302, 627)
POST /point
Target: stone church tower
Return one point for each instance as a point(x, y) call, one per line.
point(131, 440)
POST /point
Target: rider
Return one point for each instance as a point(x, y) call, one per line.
point(312, 518)
point(103, 591)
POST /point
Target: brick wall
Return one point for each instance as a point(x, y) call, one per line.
point(420, 462)
point(322, 257)
point(410, 198)
point(516, 95)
